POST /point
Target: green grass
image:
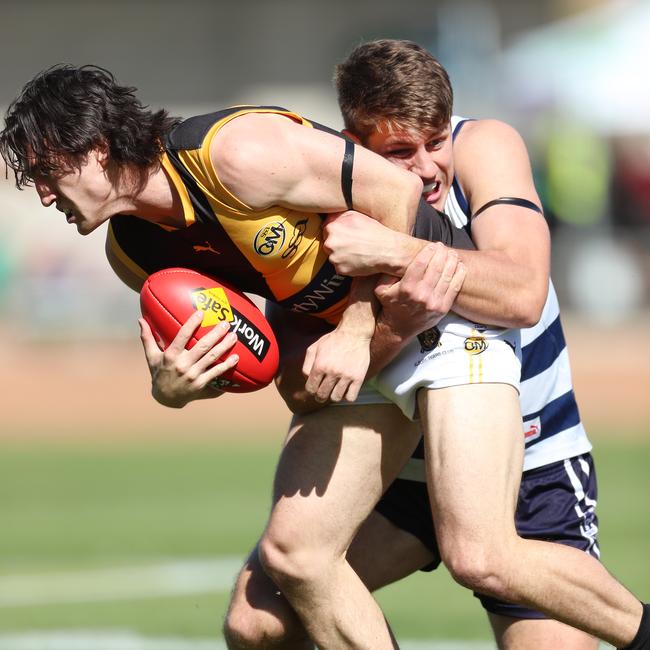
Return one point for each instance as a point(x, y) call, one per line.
point(65, 507)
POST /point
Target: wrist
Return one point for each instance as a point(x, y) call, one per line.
point(405, 248)
point(361, 331)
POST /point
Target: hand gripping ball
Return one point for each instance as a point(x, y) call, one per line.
point(169, 297)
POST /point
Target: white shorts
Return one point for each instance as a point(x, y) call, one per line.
point(466, 353)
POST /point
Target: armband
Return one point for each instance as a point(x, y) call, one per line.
point(509, 200)
point(346, 173)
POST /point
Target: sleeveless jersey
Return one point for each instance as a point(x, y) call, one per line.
point(276, 253)
point(552, 427)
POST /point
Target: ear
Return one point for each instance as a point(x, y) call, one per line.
point(102, 154)
point(352, 136)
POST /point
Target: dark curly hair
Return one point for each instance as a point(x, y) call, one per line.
point(66, 111)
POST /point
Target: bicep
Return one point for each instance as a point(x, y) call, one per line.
point(492, 162)
point(269, 160)
point(519, 232)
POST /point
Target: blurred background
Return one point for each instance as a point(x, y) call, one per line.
point(95, 478)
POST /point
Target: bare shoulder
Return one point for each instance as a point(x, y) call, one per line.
point(252, 156)
point(479, 136)
point(491, 160)
point(240, 143)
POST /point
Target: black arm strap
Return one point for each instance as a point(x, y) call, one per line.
point(346, 173)
point(508, 200)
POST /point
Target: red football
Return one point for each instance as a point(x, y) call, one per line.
point(169, 297)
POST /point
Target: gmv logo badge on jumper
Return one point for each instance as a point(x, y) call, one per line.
point(270, 238)
point(475, 344)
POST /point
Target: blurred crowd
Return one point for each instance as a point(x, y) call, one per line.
point(574, 87)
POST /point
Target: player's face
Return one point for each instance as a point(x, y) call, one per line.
point(82, 191)
point(429, 155)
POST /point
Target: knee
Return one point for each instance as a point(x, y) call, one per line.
point(288, 562)
point(246, 628)
point(480, 568)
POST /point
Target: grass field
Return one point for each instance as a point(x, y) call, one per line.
point(146, 539)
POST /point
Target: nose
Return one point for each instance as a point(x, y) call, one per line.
point(423, 165)
point(45, 192)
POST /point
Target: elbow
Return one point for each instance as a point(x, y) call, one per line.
point(524, 319)
point(416, 187)
point(528, 311)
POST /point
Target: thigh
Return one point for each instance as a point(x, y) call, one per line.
point(541, 634)
point(334, 467)
point(474, 457)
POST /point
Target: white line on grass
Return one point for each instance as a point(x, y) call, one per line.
point(111, 640)
point(198, 576)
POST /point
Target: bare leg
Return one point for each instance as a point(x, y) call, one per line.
point(259, 617)
point(333, 469)
point(541, 634)
point(474, 448)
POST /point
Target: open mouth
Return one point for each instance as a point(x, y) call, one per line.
point(431, 187)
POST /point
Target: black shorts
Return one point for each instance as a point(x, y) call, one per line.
point(556, 503)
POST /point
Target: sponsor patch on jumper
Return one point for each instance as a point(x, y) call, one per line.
point(532, 429)
point(320, 296)
point(296, 239)
point(475, 344)
point(270, 238)
point(429, 339)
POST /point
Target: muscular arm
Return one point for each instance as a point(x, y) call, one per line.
point(265, 160)
point(507, 277)
point(268, 159)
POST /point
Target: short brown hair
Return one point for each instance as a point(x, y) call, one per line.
point(392, 83)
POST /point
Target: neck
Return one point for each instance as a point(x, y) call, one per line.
point(151, 195)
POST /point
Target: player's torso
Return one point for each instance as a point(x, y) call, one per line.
point(552, 427)
point(276, 253)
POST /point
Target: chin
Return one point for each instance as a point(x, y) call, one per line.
point(84, 229)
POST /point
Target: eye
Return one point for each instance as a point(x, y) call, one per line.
point(434, 145)
point(399, 153)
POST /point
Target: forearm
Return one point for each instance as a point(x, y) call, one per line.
point(499, 290)
point(361, 312)
point(386, 344)
point(504, 285)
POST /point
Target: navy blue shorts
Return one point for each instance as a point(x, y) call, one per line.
point(556, 503)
